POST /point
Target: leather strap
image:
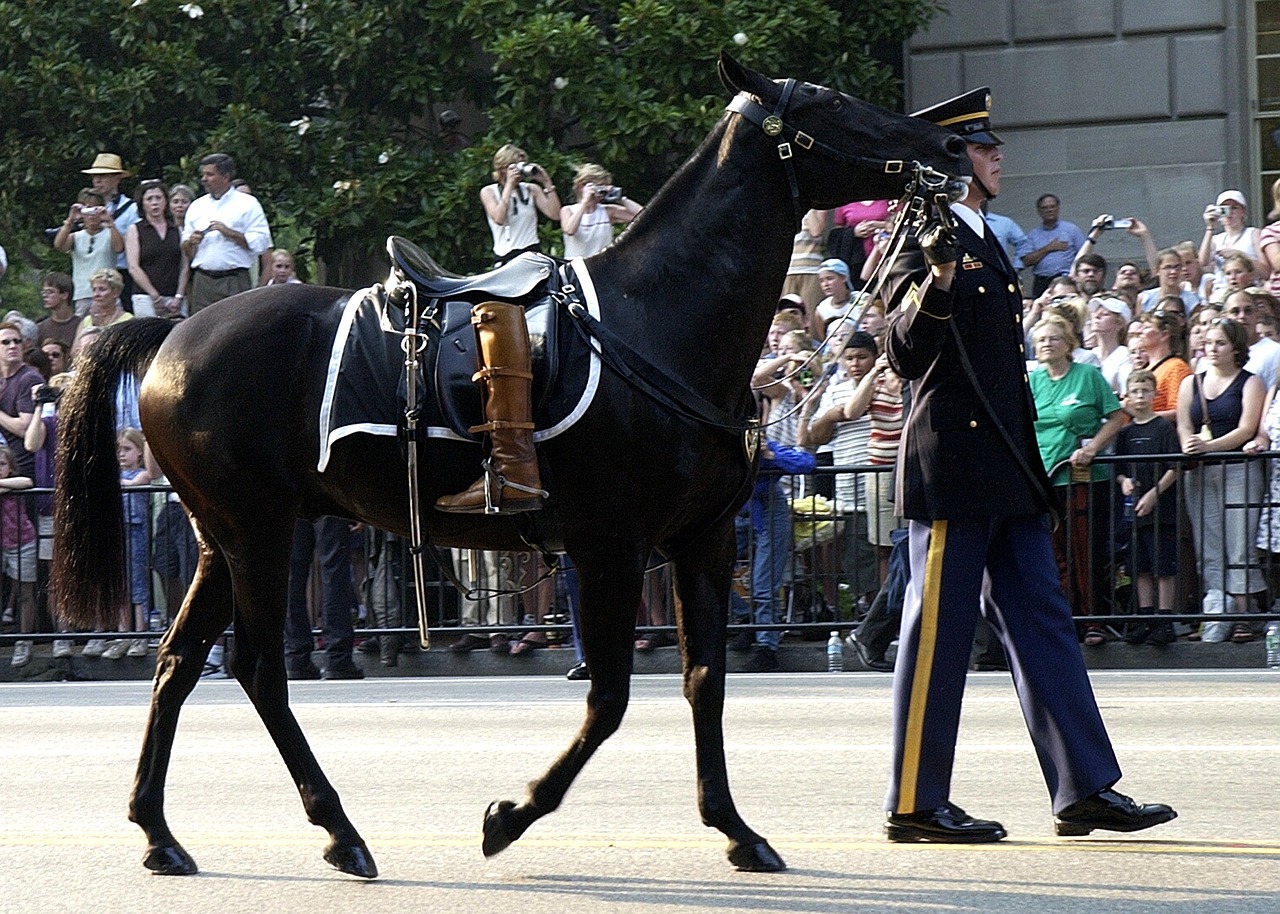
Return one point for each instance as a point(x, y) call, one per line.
point(647, 378)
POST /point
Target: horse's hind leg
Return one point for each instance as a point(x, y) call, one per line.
point(610, 592)
point(702, 589)
point(261, 582)
point(204, 616)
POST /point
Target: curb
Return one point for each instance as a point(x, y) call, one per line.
point(797, 657)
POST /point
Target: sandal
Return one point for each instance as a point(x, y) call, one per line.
point(1095, 636)
point(1241, 633)
point(527, 643)
point(650, 641)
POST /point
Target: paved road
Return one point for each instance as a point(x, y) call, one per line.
point(418, 760)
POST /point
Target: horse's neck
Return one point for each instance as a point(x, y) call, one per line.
point(701, 268)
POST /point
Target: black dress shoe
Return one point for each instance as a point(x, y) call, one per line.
point(307, 671)
point(468, 643)
point(346, 670)
point(1110, 811)
point(762, 660)
point(578, 672)
point(871, 662)
point(948, 824)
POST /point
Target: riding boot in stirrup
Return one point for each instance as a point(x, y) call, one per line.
point(510, 482)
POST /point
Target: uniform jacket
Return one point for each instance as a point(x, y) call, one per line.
point(953, 462)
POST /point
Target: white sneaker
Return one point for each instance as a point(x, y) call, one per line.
point(61, 649)
point(115, 649)
point(93, 648)
point(137, 647)
point(21, 653)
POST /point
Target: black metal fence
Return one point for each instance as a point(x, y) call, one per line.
point(1213, 545)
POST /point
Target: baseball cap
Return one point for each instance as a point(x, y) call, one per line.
point(1232, 196)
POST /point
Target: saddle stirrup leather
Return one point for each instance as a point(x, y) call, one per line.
point(510, 482)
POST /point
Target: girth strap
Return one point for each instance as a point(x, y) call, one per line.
point(498, 371)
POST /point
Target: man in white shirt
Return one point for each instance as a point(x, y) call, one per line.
point(223, 234)
point(1264, 352)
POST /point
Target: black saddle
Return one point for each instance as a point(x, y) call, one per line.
point(509, 282)
point(533, 281)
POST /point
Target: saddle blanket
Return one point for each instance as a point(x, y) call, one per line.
point(364, 390)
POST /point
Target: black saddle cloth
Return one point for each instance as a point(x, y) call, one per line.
point(366, 389)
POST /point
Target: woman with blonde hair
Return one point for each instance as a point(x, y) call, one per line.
point(512, 203)
point(588, 224)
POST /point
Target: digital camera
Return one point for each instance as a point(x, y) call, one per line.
point(528, 169)
point(1221, 212)
point(1117, 224)
point(610, 194)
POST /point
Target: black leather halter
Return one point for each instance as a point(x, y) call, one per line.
point(774, 125)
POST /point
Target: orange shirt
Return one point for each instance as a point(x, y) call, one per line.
point(1169, 376)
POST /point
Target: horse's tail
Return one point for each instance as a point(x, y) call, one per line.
point(89, 578)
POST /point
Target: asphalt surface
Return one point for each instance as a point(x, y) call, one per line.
point(417, 760)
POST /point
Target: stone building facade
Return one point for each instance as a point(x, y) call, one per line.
point(1146, 108)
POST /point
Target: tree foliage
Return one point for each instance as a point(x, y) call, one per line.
point(330, 106)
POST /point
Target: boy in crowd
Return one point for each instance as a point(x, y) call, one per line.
point(1154, 542)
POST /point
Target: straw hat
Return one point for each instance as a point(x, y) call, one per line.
point(107, 163)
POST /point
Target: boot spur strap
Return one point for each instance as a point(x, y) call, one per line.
point(492, 476)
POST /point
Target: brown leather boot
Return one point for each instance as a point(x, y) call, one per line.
point(510, 482)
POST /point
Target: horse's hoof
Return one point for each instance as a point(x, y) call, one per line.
point(353, 859)
point(169, 860)
point(497, 836)
point(756, 858)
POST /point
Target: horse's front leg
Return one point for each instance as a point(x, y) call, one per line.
point(204, 616)
point(610, 592)
point(703, 578)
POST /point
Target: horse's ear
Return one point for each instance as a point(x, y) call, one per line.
point(737, 78)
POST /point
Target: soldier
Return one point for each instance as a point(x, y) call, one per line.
point(971, 483)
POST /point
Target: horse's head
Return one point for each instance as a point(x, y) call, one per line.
point(836, 148)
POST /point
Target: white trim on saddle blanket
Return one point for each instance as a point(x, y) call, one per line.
point(328, 436)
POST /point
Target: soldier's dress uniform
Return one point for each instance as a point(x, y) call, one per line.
point(973, 509)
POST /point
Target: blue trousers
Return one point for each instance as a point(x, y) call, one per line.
point(769, 564)
point(1031, 618)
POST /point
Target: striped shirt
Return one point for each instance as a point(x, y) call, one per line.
point(886, 421)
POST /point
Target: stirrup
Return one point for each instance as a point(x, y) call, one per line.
point(491, 475)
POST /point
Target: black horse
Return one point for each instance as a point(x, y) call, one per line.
point(229, 403)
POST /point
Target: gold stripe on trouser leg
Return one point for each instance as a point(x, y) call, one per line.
point(925, 646)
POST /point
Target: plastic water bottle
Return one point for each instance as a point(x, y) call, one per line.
point(1128, 507)
point(835, 653)
point(1273, 645)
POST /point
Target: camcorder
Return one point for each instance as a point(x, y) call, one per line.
point(46, 393)
point(1117, 224)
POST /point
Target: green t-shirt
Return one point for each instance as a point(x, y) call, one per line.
point(1069, 410)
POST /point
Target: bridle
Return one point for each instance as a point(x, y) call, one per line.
point(774, 124)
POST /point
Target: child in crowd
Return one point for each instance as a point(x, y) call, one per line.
point(18, 542)
point(1148, 486)
point(130, 447)
point(1237, 274)
point(283, 269)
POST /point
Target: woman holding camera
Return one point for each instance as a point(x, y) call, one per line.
point(521, 190)
point(588, 224)
point(1236, 237)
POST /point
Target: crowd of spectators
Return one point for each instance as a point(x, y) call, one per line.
point(1160, 359)
point(1156, 359)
